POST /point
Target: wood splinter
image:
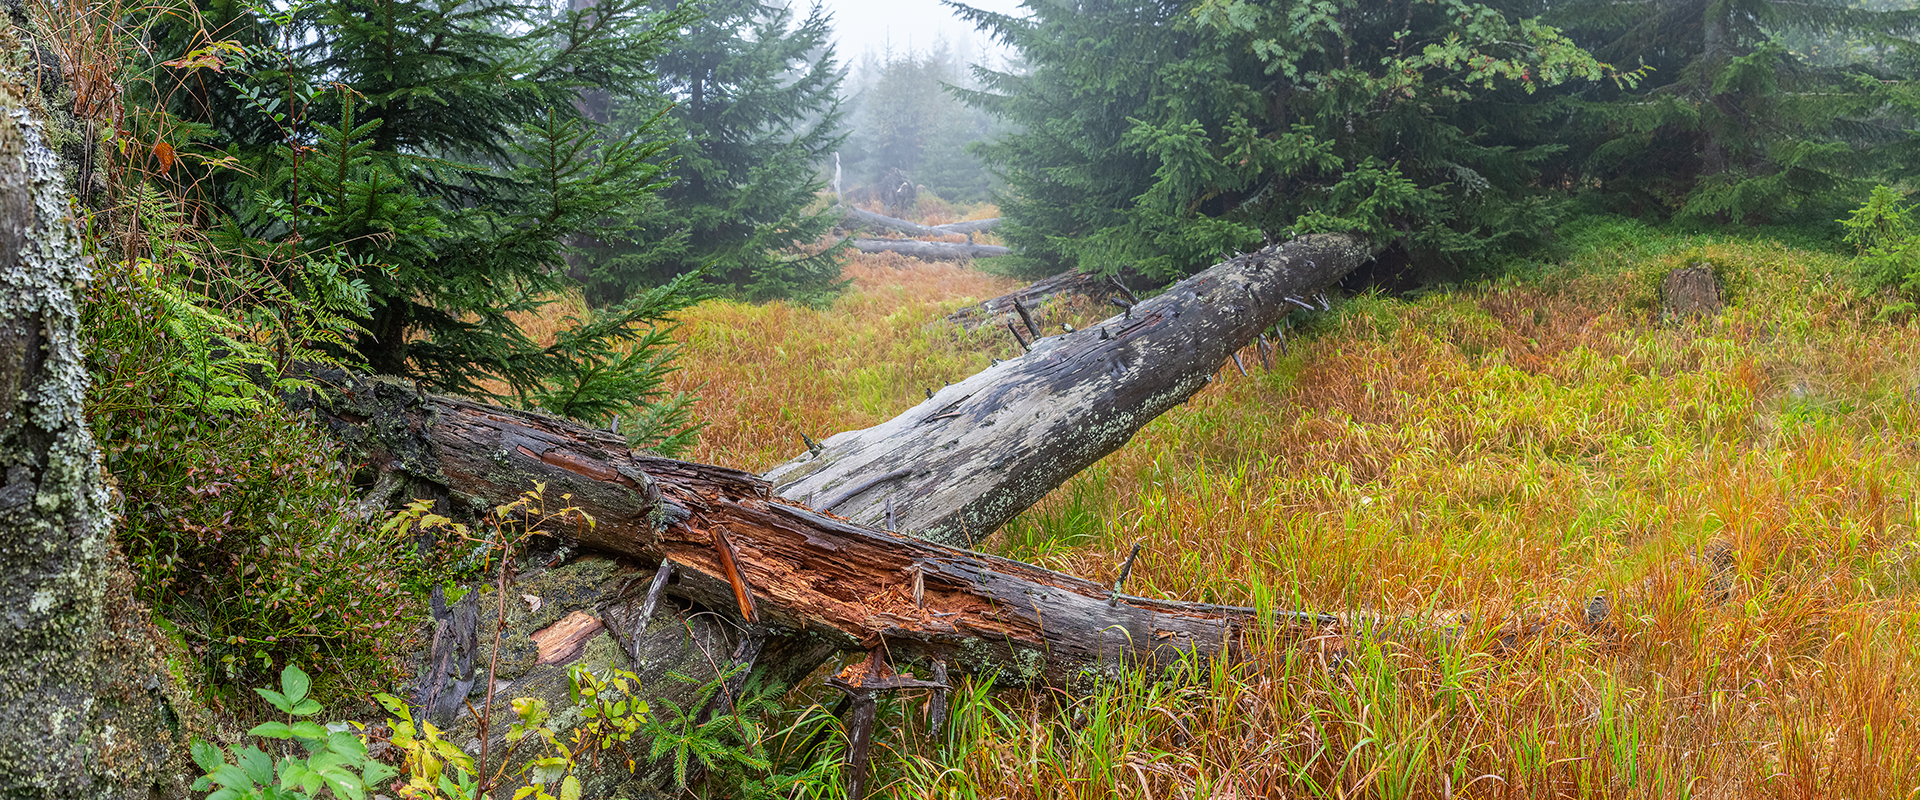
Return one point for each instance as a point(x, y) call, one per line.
point(1113, 600)
point(937, 707)
point(730, 564)
point(658, 588)
point(1239, 366)
point(1024, 347)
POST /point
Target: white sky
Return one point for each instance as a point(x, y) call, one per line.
point(863, 25)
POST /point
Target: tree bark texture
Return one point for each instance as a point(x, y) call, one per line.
point(957, 466)
point(930, 251)
point(54, 521)
point(819, 580)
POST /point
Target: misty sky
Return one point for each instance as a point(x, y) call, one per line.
point(862, 25)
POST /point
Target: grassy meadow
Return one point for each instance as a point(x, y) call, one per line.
point(1473, 465)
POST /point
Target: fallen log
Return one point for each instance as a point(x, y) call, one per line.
point(1001, 310)
point(861, 219)
point(969, 227)
point(982, 450)
point(777, 565)
point(858, 218)
point(930, 251)
point(783, 587)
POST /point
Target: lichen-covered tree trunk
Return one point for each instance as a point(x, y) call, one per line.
point(53, 505)
point(957, 466)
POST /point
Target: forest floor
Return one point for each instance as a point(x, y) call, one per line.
point(1482, 460)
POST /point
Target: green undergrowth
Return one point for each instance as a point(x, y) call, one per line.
point(235, 513)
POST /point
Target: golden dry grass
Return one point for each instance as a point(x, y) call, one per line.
point(1479, 464)
point(766, 374)
point(1470, 467)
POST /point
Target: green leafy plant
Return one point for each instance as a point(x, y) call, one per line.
point(1889, 251)
point(329, 762)
point(438, 770)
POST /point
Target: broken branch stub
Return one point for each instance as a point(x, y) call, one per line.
point(982, 450)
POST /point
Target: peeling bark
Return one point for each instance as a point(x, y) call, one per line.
point(53, 506)
point(840, 583)
point(982, 450)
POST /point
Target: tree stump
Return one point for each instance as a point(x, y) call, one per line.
point(1690, 292)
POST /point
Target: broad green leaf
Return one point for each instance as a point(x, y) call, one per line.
point(232, 777)
point(257, 764)
point(205, 755)
point(276, 699)
point(272, 730)
point(308, 729)
point(345, 784)
point(295, 683)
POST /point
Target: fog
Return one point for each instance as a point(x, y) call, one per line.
point(909, 25)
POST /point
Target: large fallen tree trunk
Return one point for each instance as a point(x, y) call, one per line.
point(779, 565)
point(957, 466)
point(930, 251)
point(799, 584)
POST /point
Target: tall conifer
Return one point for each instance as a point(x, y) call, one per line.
point(749, 96)
point(434, 151)
point(1732, 122)
point(1159, 136)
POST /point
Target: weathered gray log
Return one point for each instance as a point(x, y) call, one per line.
point(857, 218)
point(1033, 295)
point(54, 521)
point(969, 227)
point(930, 251)
point(845, 585)
point(988, 447)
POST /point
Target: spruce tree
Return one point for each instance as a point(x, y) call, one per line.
point(432, 152)
point(1160, 136)
point(748, 95)
point(1733, 122)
